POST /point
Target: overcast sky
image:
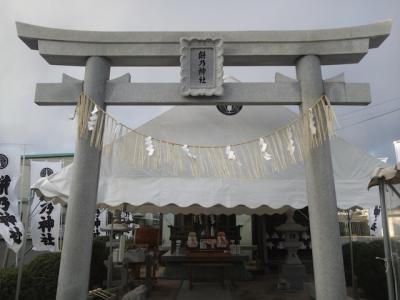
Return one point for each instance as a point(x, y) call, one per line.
point(49, 130)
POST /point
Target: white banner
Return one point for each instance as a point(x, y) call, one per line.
point(100, 222)
point(396, 145)
point(375, 221)
point(45, 216)
point(11, 228)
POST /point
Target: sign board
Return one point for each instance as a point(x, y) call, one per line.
point(201, 67)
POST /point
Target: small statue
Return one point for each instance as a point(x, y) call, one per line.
point(221, 240)
point(192, 240)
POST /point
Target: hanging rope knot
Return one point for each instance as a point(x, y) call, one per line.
point(93, 118)
point(313, 128)
point(186, 150)
point(263, 148)
point(149, 145)
point(230, 153)
point(291, 147)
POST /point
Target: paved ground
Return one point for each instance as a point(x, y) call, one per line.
point(265, 287)
point(204, 290)
point(261, 287)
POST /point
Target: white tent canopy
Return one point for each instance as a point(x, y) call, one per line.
point(141, 190)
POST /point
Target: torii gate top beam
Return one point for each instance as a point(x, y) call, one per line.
point(241, 48)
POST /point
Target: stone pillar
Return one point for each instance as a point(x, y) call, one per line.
point(325, 235)
point(73, 279)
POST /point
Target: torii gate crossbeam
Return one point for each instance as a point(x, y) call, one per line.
point(307, 50)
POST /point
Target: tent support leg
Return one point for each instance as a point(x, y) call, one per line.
point(324, 226)
point(386, 242)
point(5, 258)
point(263, 243)
point(73, 279)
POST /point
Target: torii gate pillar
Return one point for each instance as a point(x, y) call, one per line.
point(73, 281)
point(322, 206)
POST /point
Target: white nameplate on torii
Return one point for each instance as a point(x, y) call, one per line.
point(201, 67)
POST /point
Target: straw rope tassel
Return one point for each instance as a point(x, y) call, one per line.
point(126, 144)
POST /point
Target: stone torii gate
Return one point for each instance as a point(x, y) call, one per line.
point(306, 50)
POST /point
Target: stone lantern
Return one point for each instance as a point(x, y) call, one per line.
point(293, 271)
point(116, 227)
